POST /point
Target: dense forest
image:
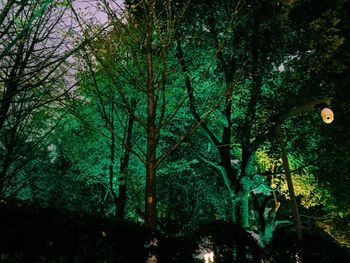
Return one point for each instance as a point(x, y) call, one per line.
point(168, 130)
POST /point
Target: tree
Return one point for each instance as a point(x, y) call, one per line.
point(115, 121)
point(265, 81)
point(33, 70)
point(147, 51)
point(215, 78)
point(243, 63)
point(31, 62)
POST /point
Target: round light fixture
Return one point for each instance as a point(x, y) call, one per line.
point(327, 115)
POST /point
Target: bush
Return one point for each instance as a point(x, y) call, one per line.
point(33, 234)
point(229, 242)
point(315, 247)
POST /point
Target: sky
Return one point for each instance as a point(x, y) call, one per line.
point(93, 10)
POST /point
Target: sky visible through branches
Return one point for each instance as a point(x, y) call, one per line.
point(92, 10)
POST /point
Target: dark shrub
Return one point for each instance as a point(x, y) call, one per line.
point(33, 234)
point(315, 247)
point(229, 242)
point(176, 249)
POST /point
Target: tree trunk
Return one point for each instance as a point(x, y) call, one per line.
point(10, 147)
point(11, 89)
point(121, 200)
point(124, 164)
point(285, 162)
point(7, 162)
point(151, 160)
point(112, 161)
point(5, 167)
point(150, 196)
point(244, 201)
point(151, 164)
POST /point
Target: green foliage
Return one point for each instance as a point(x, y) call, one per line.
point(263, 58)
point(312, 193)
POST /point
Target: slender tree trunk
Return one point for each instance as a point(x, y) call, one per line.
point(151, 160)
point(150, 197)
point(6, 101)
point(124, 164)
point(121, 201)
point(112, 161)
point(294, 204)
point(233, 184)
point(5, 167)
point(7, 161)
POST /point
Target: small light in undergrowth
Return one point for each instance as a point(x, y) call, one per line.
point(151, 259)
point(327, 115)
point(297, 258)
point(209, 257)
point(152, 244)
point(205, 252)
point(103, 233)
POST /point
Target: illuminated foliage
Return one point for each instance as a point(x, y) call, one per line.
point(174, 115)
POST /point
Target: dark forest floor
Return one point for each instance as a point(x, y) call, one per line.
point(29, 233)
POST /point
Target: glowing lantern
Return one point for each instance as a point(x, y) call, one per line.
point(327, 115)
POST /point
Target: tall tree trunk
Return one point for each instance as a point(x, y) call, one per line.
point(246, 145)
point(124, 164)
point(224, 146)
point(151, 160)
point(112, 160)
point(285, 162)
point(150, 196)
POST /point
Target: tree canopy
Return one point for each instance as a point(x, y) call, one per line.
point(175, 114)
